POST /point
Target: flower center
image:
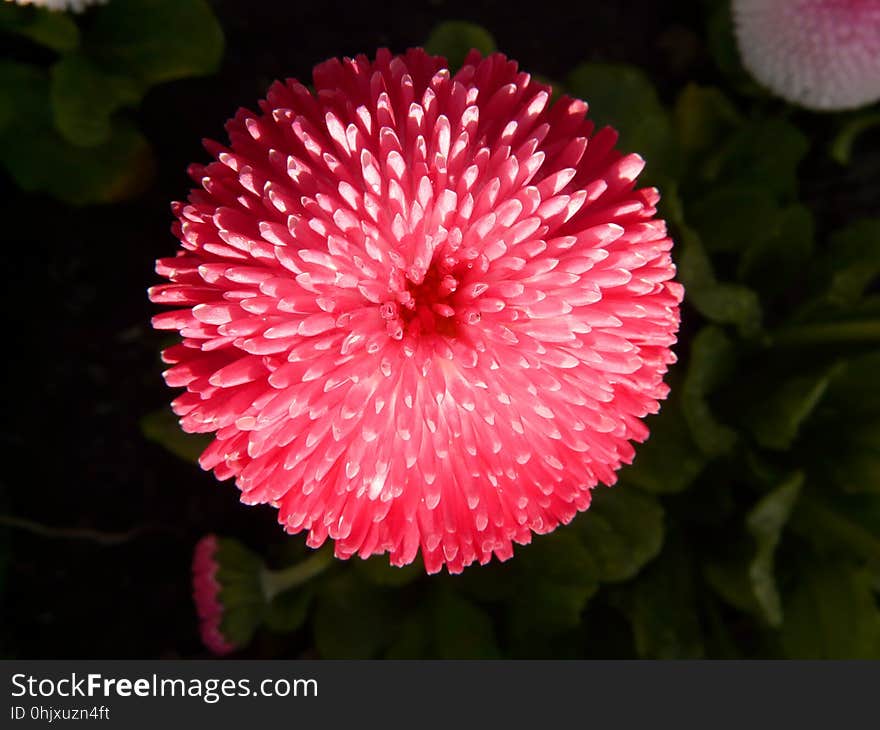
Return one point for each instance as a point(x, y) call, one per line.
point(428, 304)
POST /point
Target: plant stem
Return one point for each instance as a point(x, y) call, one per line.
point(832, 332)
point(72, 533)
point(276, 582)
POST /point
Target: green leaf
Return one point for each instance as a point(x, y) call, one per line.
point(623, 97)
point(845, 432)
point(671, 207)
point(841, 524)
point(605, 631)
point(832, 614)
point(378, 571)
point(730, 218)
point(353, 620)
point(40, 160)
point(411, 640)
point(495, 581)
point(719, 302)
point(765, 522)
point(772, 262)
point(162, 428)
point(703, 117)
point(723, 47)
point(764, 153)
point(664, 616)
point(556, 578)
point(461, 630)
point(849, 393)
point(84, 97)
point(622, 531)
point(776, 418)
point(855, 261)
point(54, 30)
point(454, 39)
point(711, 363)
point(288, 611)
point(855, 466)
point(241, 593)
point(669, 461)
point(155, 41)
point(838, 332)
point(290, 590)
point(240, 622)
point(843, 142)
point(729, 577)
point(22, 90)
point(740, 563)
point(719, 639)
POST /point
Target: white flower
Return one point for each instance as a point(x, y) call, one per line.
point(821, 54)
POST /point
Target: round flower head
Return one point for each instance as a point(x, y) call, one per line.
point(206, 592)
point(821, 54)
point(76, 6)
point(228, 593)
point(420, 311)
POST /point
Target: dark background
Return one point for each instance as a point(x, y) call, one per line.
point(83, 363)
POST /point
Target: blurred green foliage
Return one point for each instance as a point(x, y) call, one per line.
point(63, 127)
point(749, 524)
point(162, 428)
point(454, 39)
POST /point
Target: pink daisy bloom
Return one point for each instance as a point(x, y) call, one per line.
point(420, 311)
point(206, 593)
point(821, 54)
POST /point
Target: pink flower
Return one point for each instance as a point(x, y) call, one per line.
point(821, 54)
point(206, 593)
point(419, 310)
